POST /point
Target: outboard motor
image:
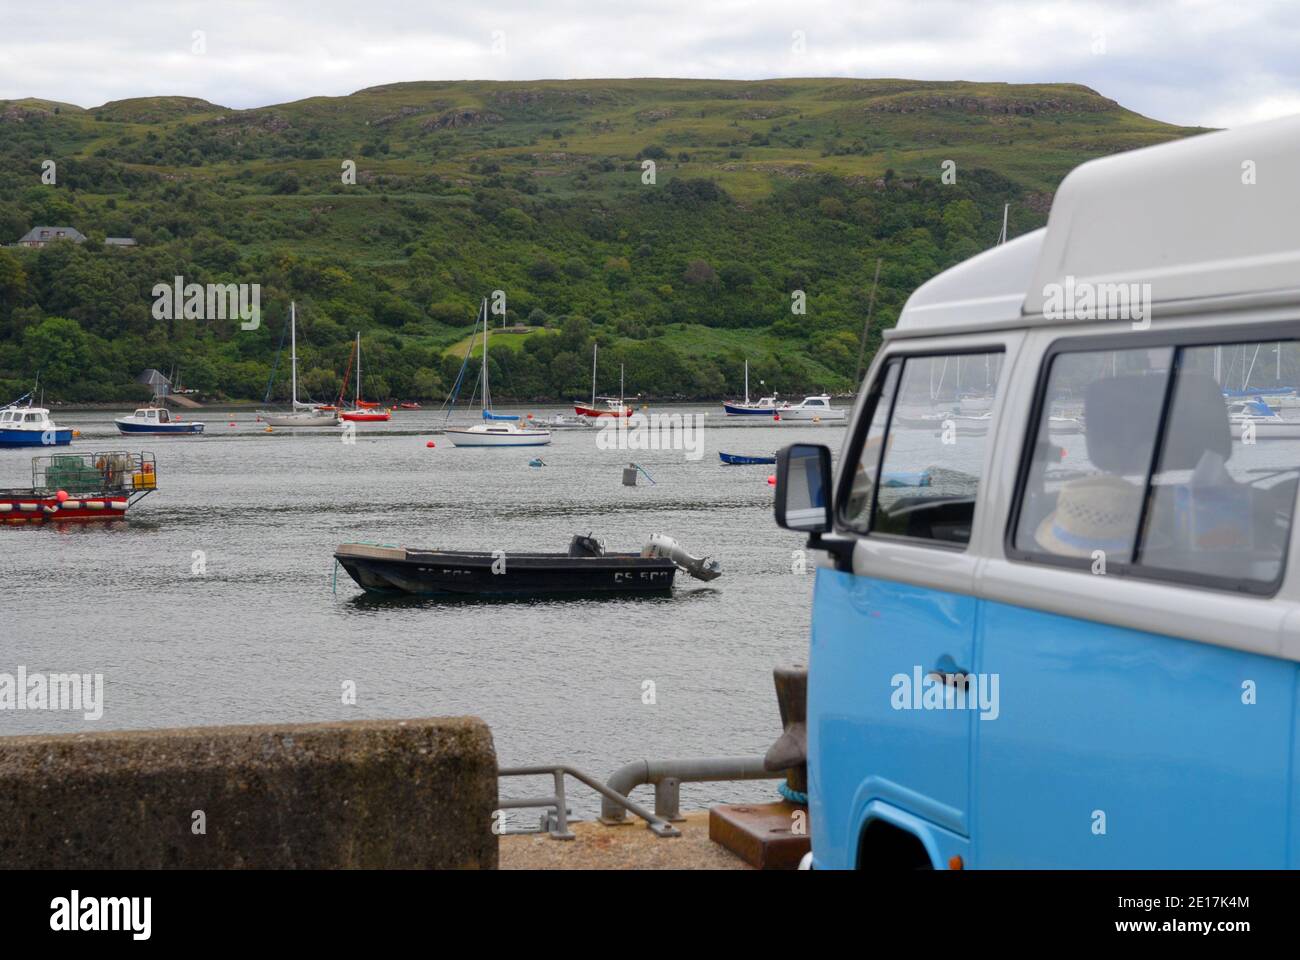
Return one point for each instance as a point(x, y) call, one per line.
point(701, 568)
point(587, 546)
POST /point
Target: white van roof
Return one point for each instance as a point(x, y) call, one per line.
point(1180, 216)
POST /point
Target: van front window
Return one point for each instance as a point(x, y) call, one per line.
point(930, 445)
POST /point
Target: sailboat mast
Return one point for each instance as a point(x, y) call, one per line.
point(746, 383)
point(487, 396)
point(593, 375)
point(620, 388)
point(293, 353)
point(358, 397)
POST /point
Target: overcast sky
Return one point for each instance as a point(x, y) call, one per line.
point(1207, 62)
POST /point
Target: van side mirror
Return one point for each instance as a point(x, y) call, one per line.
point(803, 488)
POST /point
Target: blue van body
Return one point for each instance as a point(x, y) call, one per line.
point(985, 690)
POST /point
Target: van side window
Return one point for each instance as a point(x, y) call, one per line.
point(1224, 488)
point(930, 445)
point(1150, 460)
point(1095, 439)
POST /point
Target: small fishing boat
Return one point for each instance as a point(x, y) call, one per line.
point(603, 406)
point(86, 487)
point(765, 407)
point(301, 414)
point(364, 411)
point(157, 422)
point(497, 429)
point(408, 405)
point(739, 460)
point(31, 427)
point(584, 569)
point(813, 408)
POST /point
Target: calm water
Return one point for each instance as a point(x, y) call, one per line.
point(262, 636)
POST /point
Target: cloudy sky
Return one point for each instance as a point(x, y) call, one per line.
point(1209, 62)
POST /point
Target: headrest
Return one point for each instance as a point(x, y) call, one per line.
point(1120, 416)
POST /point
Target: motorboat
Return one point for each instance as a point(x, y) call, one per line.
point(157, 422)
point(31, 427)
point(813, 408)
point(584, 569)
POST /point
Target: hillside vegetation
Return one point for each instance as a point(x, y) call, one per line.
point(765, 193)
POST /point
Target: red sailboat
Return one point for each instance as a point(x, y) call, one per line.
point(612, 407)
point(363, 411)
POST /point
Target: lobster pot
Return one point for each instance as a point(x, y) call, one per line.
point(629, 476)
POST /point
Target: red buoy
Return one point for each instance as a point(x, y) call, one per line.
point(771, 480)
point(430, 444)
point(61, 496)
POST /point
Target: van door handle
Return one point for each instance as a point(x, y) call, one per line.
point(948, 671)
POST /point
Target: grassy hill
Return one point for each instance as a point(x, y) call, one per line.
point(762, 191)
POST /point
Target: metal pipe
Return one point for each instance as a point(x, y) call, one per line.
point(657, 824)
point(640, 772)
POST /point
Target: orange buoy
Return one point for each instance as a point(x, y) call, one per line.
point(771, 480)
point(61, 496)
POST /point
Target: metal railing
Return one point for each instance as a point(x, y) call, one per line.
point(667, 776)
point(559, 823)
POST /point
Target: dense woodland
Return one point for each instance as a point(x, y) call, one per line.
point(762, 192)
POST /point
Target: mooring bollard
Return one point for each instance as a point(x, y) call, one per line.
point(790, 752)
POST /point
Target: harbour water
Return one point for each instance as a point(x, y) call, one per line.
point(217, 602)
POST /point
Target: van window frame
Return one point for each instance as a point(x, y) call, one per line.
point(863, 426)
point(1176, 341)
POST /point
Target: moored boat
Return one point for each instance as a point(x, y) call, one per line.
point(300, 414)
point(364, 411)
point(31, 427)
point(740, 460)
point(497, 429)
point(80, 487)
point(156, 422)
point(764, 407)
point(603, 406)
point(816, 407)
point(584, 569)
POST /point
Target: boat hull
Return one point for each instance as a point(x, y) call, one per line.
point(739, 460)
point(583, 410)
point(141, 429)
point(61, 437)
point(396, 571)
point(740, 410)
point(833, 413)
point(299, 420)
point(366, 417)
point(18, 508)
point(517, 438)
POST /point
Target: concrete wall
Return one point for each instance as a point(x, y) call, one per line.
point(384, 793)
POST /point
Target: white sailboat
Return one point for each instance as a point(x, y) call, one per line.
point(302, 414)
point(496, 430)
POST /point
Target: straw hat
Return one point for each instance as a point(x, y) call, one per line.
point(1092, 513)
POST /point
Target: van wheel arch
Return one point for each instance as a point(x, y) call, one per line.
point(886, 847)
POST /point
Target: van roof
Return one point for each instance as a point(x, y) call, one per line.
point(1209, 216)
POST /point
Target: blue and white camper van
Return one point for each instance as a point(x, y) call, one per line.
point(1056, 620)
